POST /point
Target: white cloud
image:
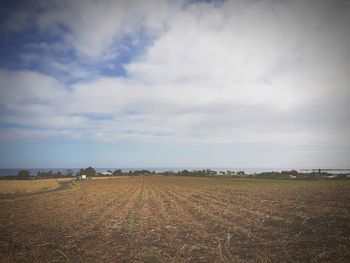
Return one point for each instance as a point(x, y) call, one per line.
point(20, 87)
point(94, 26)
point(237, 72)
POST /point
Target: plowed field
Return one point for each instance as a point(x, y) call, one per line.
point(174, 219)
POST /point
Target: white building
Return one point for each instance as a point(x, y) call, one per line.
point(82, 177)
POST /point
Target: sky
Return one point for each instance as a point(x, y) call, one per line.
point(241, 83)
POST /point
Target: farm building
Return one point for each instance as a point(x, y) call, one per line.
point(82, 177)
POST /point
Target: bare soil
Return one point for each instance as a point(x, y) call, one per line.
point(175, 219)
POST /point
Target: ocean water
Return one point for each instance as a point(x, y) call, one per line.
point(34, 171)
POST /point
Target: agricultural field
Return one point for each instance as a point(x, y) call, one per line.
point(179, 219)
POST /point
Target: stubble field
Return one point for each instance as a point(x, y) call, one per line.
point(8, 187)
point(175, 219)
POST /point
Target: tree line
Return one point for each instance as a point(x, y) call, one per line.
point(91, 172)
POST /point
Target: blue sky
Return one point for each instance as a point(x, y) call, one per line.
point(174, 83)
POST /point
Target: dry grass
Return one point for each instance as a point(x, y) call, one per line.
point(173, 219)
point(28, 186)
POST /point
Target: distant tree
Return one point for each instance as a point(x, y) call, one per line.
point(117, 172)
point(23, 175)
point(185, 173)
point(89, 171)
point(81, 171)
point(69, 173)
point(47, 175)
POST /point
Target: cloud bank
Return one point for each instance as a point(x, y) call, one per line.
point(173, 71)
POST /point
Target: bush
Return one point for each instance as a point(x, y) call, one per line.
point(23, 175)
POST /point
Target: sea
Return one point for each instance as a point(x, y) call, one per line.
point(34, 171)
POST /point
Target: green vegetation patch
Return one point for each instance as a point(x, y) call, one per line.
point(154, 257)
point(277, 220)
point(129, 225)
point(75, 186)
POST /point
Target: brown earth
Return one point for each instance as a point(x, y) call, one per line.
point(175, 219)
